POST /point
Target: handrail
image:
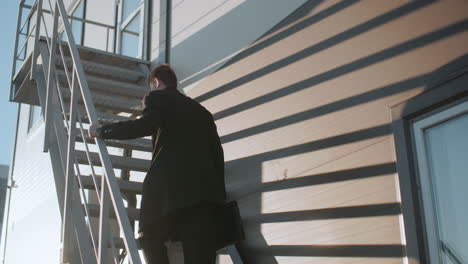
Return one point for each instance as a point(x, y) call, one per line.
point(110, 196)
point(108, 177)
point(27, 21)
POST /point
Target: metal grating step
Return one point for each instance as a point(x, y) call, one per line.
point(141, 144)
point(106, 103)
point(108, 86)
point(102, 116)
point(108, 71)
point(118, 162)
point(125, 186)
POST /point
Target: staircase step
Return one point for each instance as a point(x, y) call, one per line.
point(88, 54)
point(94, 211)
point(118, 162)
point(106, 102)
point(109, 86)
point(141, 144)
point(102, 116)
point(108, 71)
point(125, 186)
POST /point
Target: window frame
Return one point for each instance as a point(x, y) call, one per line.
point(32, 124)
point(404, 114)
point(427, 192)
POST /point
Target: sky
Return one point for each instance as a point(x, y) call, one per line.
point(8, 110)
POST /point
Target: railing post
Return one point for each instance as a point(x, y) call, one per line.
point(104, 223)
point(70, 173)
point(37, 35)
point(15, 55)
point(50, 80)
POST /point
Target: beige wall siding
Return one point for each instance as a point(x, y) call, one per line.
point(206, 34)
point(304, 117)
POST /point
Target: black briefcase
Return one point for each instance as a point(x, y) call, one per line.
point(231, 229)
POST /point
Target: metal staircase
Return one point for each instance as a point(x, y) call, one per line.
point(77, 86)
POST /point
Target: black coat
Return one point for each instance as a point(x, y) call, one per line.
point(187, 163)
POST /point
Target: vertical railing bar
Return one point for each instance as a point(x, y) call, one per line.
point(59, 90)
point(103, 222)
point(46, 30)
point(107, 40)
point(52, 10)
point(61, 138)
point(93, 173)
point(26, 40)
point(111, 182)
point(85, 204)
point(31, 11)
point(15, 59)
point(68, 174)
point(62, 104)
point(65, 66)
point(36, 39)
point(52, 52)
point(72, 127)
point(69, 167)
point(28, 29)
point(114, 253)
point(59, 93)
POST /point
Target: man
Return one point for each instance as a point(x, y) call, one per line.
point(184, 187)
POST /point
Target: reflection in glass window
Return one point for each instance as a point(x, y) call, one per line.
point(77, 26)
point(134, 25)
point(130, 44)
point(129, 6)
point(131, 38)
point(34, 116)
point(447, 151)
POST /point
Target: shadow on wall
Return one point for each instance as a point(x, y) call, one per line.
point(244, 174)
point(196, 48)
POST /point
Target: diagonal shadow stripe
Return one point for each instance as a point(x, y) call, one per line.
point(339, 38)
point(369, 251)
point(354, 136)
point(328, 213)
point(348, 68)
point(328, 108)
point(330, 177)
point(300, 12)
point(255, 188)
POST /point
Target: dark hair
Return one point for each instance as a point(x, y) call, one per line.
point(165, 73)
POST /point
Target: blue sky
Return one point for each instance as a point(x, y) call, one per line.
point(8, 110)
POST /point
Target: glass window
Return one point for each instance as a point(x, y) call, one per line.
point(442, 152)
point(77, 26)
point(34, 116)
point(129, 6)
point(131, 38)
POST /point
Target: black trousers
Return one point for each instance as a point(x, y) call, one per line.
point(193, 227)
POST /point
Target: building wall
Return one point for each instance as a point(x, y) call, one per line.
point(207, 34)
point(35, 222)
point(4, 169)
point(303, 114)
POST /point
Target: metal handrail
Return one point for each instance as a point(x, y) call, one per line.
point(79, 88)
point(31, 9)
point(25, 42)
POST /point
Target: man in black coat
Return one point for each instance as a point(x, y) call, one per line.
point(184, 187)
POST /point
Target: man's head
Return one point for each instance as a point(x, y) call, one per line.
point(162, 77)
